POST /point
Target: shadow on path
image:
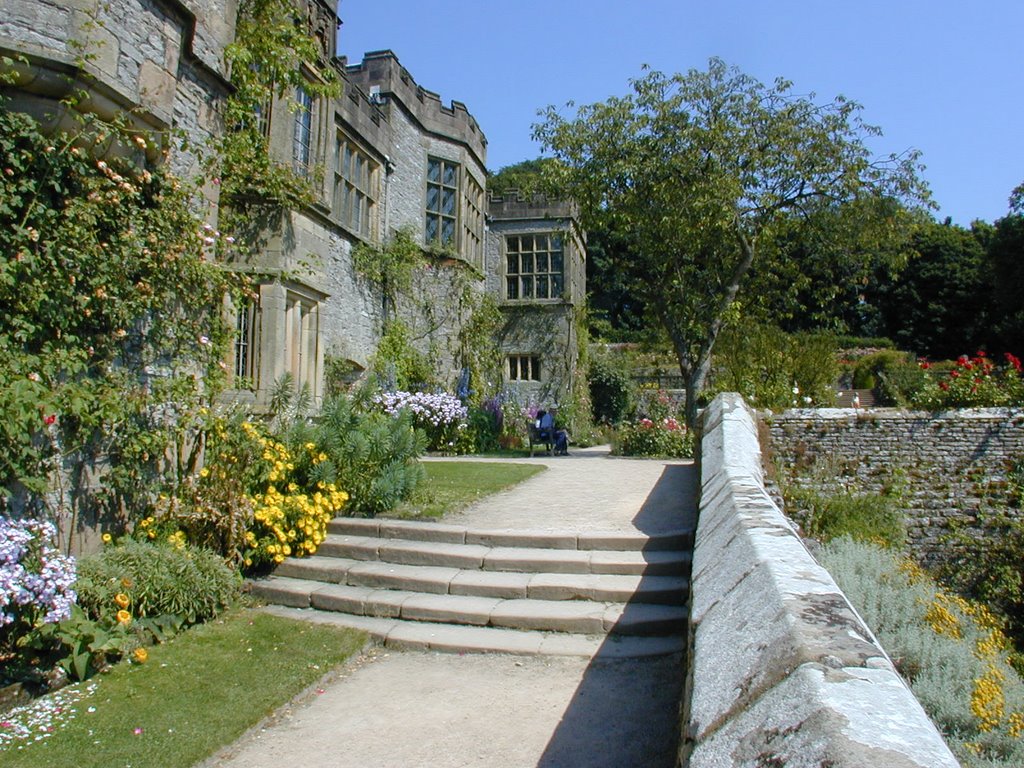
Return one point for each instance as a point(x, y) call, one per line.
point(625, 712)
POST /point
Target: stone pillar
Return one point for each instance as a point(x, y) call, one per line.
point(273, 337)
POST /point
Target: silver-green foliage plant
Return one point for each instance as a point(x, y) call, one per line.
point(951, 651)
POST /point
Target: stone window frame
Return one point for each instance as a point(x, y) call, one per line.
point(245, 363)
point(522, 285)
point(473, 220)
point(435, 212)
point(365, 190)
point(523, 367)
point(302, 132)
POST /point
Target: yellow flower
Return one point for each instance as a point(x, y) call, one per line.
point(107, 538)
point(121, 599)
point(123, 617)
point(310, 446)
point(141, 655)
point(204, 472)
point(988, 700)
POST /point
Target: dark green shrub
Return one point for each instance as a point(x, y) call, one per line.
point(875, 517)
point(895, 377)
point(863, 342)
point(774, 369)
point(985, 562)
point(482, 431)
point(157, 579)
point(665, 438)
point(611, 391)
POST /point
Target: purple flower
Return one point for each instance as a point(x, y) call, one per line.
point(36, 580)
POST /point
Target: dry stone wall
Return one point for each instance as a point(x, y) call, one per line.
point(951, 465)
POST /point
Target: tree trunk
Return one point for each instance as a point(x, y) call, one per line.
point(695, 381)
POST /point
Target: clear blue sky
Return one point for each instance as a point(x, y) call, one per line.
point(942, 76)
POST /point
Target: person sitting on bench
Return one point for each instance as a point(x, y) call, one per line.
point(550, 434)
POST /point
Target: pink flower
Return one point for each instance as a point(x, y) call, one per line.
point(137, 731)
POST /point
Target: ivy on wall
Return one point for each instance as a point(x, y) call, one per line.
point(272, 56)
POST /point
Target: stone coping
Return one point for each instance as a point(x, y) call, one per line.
point(782, 670)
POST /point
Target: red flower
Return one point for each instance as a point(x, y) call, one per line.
point(944, 386)
point(1014, 361)
point(925, 365)
point(980, 353)
point(962, 360)
point(48, 420)
point(954, 374)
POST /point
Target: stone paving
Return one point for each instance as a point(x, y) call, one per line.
point(449, 710)
point(588, 490)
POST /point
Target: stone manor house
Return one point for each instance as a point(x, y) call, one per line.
point(387, 155)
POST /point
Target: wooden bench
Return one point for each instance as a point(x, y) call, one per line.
point(538, 437)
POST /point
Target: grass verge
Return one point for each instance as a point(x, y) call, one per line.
point(452, 485)
point(194, 695)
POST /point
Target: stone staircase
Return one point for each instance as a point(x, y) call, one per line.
point(433, 586)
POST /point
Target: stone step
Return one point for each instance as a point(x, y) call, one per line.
point(577, 617)
point(418, 530)
point(622, 588)
point(450, 638)
point(500, 558)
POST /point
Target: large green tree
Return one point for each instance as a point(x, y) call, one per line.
point(709, 172)
point(935, 306)
point(1006, 259)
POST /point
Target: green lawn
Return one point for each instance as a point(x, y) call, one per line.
point(452, 485)
point(195, 694)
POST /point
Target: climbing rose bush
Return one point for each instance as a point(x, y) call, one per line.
point(36, 580)
point(439, 414)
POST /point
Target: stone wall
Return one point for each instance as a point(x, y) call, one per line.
point(951, 465)
point(782, 670)
point(163, 60)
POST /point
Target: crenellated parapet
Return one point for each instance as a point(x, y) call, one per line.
point(511, 205)
point(382, 77)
